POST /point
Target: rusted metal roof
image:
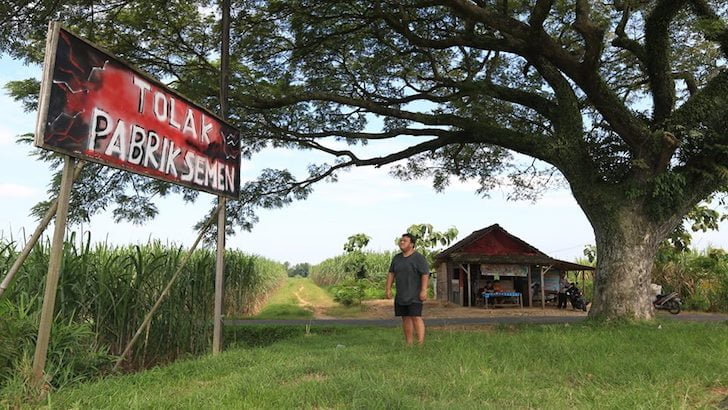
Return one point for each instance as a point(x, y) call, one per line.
point(481, 258)
point(533, 257)
point(570, 266)
point(475, 236)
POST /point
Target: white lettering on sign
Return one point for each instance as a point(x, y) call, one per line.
point(136, 145)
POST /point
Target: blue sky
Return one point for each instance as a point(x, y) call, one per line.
point(365, 200)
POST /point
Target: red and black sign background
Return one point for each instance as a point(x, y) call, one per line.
point(102, 110)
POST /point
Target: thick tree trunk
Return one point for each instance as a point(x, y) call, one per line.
point(626, 247)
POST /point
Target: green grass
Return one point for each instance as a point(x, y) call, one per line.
point(295, 300)
point(557, 366)
point(281, 311)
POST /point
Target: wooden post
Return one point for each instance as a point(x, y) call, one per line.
point(434, 282)
point(543, 291)
point(530, 289)
point(42, 225)
point(470, 288)
point(448, 279)
point(220, 257)
point(54, 268)
point(461, 285)
point(219, 278)
point(543, 286)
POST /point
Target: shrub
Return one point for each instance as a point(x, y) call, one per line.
point(18, 330)
point(353, 291)
point(349, 292)
point(701, 278)
point(73, 354)
point(721, 295)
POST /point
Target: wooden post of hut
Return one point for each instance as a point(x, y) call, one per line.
point(543, 286)
point(530, 293)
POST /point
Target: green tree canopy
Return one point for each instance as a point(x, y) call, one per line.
point(356, 242)
point(430, 241)
point(300, 269)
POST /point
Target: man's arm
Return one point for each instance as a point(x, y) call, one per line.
point(423, 286)
point(388, 286)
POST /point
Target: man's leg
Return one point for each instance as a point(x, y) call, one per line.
point(419, 326)
point(408, 328)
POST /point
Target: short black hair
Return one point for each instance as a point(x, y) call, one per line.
point(412, 238)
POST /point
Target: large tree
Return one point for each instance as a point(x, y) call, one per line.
point(628, 100)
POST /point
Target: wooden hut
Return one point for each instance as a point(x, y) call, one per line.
point(492, 254)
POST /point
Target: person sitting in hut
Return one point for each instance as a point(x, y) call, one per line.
point(488, 287)
point(497, 287)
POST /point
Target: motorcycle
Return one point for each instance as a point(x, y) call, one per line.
point(576, 297)
point(670, 302)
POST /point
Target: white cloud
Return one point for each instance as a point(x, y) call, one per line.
point(17, 191)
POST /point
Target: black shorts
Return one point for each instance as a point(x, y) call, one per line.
point(414, 309)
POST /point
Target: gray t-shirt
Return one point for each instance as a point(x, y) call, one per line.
point(408, 272)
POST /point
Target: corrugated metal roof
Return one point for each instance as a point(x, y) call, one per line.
point(536, 257)
point(480, 234)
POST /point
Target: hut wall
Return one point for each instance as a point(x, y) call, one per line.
point(442, 280)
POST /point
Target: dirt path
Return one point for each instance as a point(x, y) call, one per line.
point(318, 311)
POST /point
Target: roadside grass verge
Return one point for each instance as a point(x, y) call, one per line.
point(525, 366)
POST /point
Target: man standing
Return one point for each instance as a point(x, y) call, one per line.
point(410, 271)
point(563, 287)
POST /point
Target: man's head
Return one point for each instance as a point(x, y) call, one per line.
point(407, 242)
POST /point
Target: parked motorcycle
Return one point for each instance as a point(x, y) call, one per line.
point(576, 297)
point(670, 302)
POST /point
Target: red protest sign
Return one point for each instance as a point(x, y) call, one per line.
point(96, 107)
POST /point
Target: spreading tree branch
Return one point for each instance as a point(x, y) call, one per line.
point(690, 82)
point(623, 41)
point(392, 133)
point(370, 106)
point(539, 13)
point(542, 47)
point(657, 44)
point(541, 105)
point(593, 35)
